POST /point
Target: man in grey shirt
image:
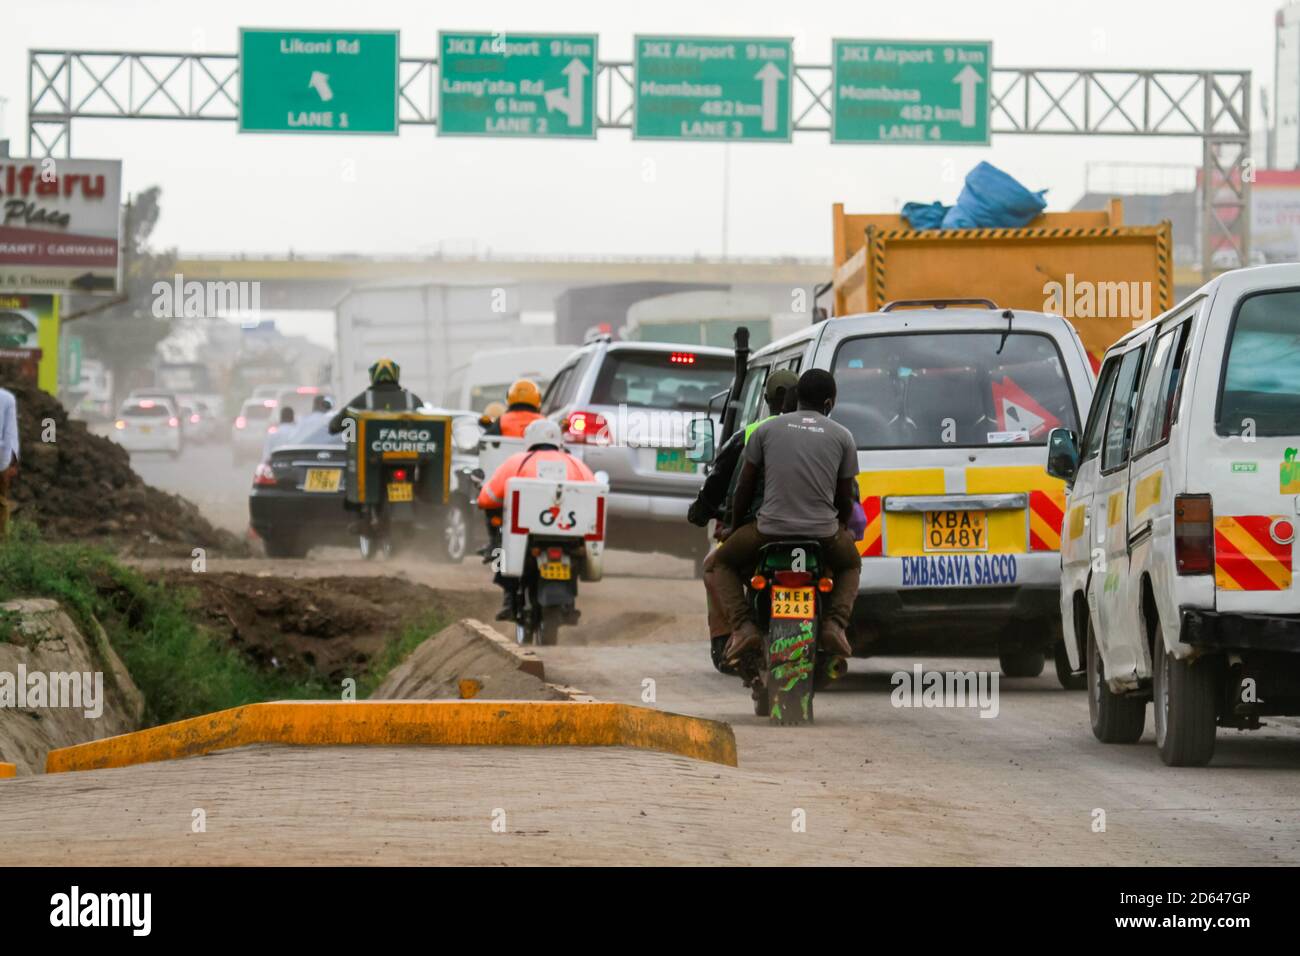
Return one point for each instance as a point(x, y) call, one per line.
point(809, 465)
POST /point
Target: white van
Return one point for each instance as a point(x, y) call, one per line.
point(950, 404)
point(1179, 536)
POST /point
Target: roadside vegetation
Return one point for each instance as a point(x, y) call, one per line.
point(180, 667)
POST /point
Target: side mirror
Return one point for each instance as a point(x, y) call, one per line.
point(1062, 454)
point(700, 435)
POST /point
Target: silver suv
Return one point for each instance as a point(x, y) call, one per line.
point(625, 409)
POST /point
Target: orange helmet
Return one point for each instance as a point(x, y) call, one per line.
point(525, 392)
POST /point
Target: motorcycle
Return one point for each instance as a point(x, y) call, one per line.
point(552, 534)
point(786, 595)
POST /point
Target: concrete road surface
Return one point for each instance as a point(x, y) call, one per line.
point(870, 783)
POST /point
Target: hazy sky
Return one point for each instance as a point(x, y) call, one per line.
point(229, 192)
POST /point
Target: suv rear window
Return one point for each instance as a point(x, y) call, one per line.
point(924, 390)
point(671, 380)
point(1261, 379)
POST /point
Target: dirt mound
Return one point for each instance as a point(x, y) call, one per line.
point(80, 486)
point(331, 627)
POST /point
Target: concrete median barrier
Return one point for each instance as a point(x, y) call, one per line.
point(389, 723)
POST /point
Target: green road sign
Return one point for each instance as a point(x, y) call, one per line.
point(905, 91)
point(719, 88)
point(317, 81)
point(516, 84)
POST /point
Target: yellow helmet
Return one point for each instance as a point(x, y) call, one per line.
point(385, 370)
point(525, 392)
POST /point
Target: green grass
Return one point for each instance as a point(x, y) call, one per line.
point(181, 669)
point(397, 649)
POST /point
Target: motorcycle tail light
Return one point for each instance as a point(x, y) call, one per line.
point(758, 582)
point(554, 554)
point(264, 475)
point(824, 585)
point(400, 474)
point(793, 579)
point(1194, 534)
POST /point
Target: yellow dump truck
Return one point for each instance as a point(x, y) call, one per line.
point(1103, 276)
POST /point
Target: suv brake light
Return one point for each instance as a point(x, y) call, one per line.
point(1194, 534)
point(586, 428)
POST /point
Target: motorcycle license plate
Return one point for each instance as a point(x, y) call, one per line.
point(401, 491)
point(793, 603)
point(956, 531)
point(555, 571)
point(322, 479)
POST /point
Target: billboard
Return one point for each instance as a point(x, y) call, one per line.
point(60, 225)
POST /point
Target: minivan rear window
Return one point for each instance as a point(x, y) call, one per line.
point(924, 390)
point(670, 380)
point(1261, 378)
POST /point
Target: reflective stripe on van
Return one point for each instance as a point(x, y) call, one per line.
point(1248, 556)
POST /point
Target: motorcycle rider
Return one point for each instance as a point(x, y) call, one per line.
point(543, 442)
point(809, 466)
point(491, 413)
point(524, 407)
point(385, 394)
point(718, 492)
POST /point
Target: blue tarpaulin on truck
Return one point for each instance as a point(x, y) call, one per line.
point(990, 199)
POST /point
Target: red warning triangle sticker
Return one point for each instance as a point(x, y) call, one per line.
point(1017, 412)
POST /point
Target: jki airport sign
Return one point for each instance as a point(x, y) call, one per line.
point(517, 85)
point(713, 88)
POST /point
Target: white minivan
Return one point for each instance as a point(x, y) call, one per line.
point(1179, 537)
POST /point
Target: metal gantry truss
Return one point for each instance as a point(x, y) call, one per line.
point(1212, 105)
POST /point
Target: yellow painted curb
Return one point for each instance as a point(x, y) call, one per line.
point(8, 770)
point(388, 722)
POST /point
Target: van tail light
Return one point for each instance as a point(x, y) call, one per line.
point(264, 476)
point(241, 422)
point(1194, 534)
point(586, 428)
point(792, 579)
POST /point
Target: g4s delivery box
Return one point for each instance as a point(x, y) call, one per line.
point(541, 509)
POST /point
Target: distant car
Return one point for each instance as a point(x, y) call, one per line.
point(269, 391)
point(624, 408)
point(147, 424)
point(302, 399)
point(248, 433)
point(198, 424)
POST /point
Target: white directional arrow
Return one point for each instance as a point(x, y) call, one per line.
point(320, 82)
point(570, 103)
point(969, 78)
point(770, 75)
